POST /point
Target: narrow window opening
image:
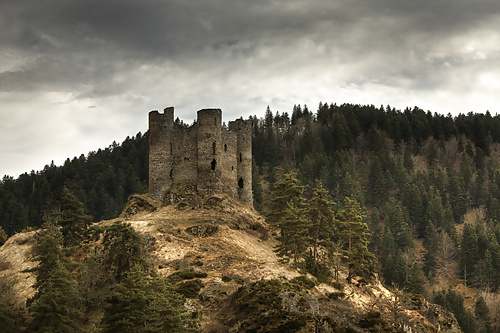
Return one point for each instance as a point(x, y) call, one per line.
point(240, 183)
point(171, 149)
point(225, 147)
point(214, 163)
point(215, 121)
point(241, 157)
point(171, 173)
point(213, 148)
point(232, 168)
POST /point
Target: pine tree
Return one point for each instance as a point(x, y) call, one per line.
point(388, 269)
point(12, 316)
point(271, 151)
point(416, 279)
point(458, 195)
point(73, 220)
point(49, 252)
point(479, 191)
point(286, 190)
point(143, 303)
point(454, 302)
point(488, 272)
point(54, 308)
point(321, 217)
point(294, 239)
point(123, 246)
point(288, 213)
point(483, 316)
point(127, 304)
point(400, 271)
point(397, 219)
point(469, 253)
point(166, 307)
point(388, 251)
point(449, 222)
point(435, 213)
point(355, 237)
point(432, 154)
point(376, 239)
point(408, 160)
point(377, 183)
point(431, 243)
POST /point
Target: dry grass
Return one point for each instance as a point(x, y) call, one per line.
point(16, 256)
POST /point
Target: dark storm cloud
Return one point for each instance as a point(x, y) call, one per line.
point(85, 72)
point(79, 41)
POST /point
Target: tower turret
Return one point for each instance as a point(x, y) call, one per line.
point(209, 154)
point(243, 130)
point(160, 152)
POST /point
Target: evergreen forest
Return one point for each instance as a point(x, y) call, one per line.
point(417, 195)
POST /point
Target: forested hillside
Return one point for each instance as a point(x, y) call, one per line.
point(102, 180)
point(428, 186)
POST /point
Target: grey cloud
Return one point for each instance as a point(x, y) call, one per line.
point(114, 60)
point(76, 33)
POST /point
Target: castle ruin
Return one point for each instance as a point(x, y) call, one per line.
point(207, 157)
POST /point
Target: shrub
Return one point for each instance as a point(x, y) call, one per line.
point(186, 275)
point(190, 288)
point(303, 282)
point(371, 319)
point(335, 296)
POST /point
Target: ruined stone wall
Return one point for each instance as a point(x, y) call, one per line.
point(229, 162)
point(243, 130)
point(185, 165)
point(209, 151)
point(160, 152)
point(206, 156)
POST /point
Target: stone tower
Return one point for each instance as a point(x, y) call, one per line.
point(206, 156)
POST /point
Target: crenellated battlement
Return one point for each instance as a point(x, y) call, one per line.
point(205, 156)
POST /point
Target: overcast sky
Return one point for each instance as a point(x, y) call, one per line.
point(76, 75)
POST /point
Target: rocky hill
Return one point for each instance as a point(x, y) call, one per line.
point(222, 252)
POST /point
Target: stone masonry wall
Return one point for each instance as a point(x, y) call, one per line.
point(185, 166)
point(206, 156)
point(209, 179)
point(228, 162)
point(160, 159)
point(243, 130)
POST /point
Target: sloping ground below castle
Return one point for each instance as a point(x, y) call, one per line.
point(243, 285)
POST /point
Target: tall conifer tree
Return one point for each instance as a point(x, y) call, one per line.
point(72, 219)
point(143, 303)
point(54, 308)
point(322, 218)
point(287, 189)
point(355, 236)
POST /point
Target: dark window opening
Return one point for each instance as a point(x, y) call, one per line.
point(225, 147)
point(213, 148)
point(215, 121)
point(171, 173)
point(240, 183)
point(232, 168)
point(214, 163)
point(170, 149)
point(186, 158)
point(241, 157)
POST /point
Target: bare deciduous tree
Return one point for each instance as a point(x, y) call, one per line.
point(446, 253)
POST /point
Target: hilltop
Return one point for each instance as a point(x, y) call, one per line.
point(229, 248)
